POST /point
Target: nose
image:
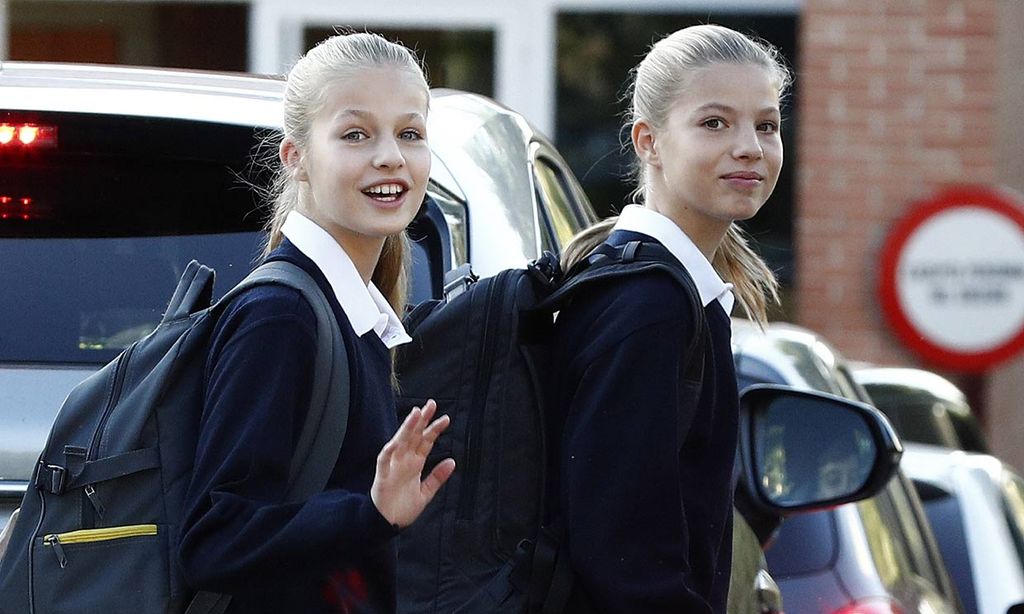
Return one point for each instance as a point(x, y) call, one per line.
point(388, 154)
point(748, 145)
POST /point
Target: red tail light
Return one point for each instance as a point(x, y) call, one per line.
point(871, 605)
point(16, 208)
point(27, 135)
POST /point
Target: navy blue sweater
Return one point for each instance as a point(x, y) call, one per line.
point(646, 475)
point(330, 553)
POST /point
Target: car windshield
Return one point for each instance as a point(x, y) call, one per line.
point(100, 216)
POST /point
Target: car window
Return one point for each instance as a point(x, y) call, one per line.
point(805, 544)
point(98, 225)
point(886, 542)
point(915, 416)
point(914, 532)
point(808, 366)
point(558, 204)
point(946, 518)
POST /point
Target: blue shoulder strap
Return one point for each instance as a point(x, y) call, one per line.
point(319, 444)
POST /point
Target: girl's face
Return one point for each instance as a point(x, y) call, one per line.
point(718, 156)
point(367, 161)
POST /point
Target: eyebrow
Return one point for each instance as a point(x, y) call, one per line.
point(717, 106)
point(368, 115)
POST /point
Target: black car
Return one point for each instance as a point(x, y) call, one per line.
point(878, 555)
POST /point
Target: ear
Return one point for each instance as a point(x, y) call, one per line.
point(291, 158)
point(644, 143)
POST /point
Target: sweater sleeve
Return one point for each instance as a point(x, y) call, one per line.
point(237, 528)
point(623, 493)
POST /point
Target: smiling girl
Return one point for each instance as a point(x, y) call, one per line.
point(354, 168)
point(647, 456)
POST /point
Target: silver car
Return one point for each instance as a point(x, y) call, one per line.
point(975, 503)
point(114, 178)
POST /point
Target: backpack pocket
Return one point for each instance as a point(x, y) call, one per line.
point(110, 570)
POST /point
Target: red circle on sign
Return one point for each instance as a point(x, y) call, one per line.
point(1002, 203)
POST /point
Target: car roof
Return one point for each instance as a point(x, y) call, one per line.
point(942, 466)
point(472, 137)
point(910, 377)
point(780, 345)
point(229, 98)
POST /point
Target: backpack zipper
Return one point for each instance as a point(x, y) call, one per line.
point(57, 541)
point(94, 444)
point(474, 429)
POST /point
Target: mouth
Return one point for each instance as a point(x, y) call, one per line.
point(744, 176)
point(387, 192)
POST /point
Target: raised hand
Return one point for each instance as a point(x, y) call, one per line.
point(397, 491)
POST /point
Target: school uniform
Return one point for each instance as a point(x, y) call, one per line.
point(646, 479)
point(333, 552)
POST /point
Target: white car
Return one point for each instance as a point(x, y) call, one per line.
point(975, 504)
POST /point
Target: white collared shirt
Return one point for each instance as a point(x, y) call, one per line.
point(363, 304)
point(637, 218)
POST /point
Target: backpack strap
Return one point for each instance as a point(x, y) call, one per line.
point(193, 293)
point(544, 568)
point(323, 432)
point(633, 257)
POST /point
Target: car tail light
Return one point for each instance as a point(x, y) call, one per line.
point(16, 208)
point(34, 136)
point(871, 605)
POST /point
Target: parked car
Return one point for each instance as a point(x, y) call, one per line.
point(130, 173)
point(924, 407)
point(114, 178)
point(878, 555)
point(975, 503)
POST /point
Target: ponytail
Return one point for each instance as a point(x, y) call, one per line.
point(754, 284)
point(586, 241)
point(391, 275)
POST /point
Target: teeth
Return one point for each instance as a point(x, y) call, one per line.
point(387, 189)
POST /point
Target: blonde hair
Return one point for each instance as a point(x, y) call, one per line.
point(339, 57)
point(656, 83)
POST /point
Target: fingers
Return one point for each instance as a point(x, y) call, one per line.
point(414, 434)
point(432, 432)
point(411, 430)
point(440, 474)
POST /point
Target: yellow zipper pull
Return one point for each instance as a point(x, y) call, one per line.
point(54, 541)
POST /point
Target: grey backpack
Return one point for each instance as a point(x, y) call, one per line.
point(99, 523)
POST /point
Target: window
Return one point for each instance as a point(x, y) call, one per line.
point(884, 536)
point(806, 543)
point(107, 221)
point(556, 196)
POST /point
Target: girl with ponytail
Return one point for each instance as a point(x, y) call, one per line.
point(647, 450)
point(353, 171)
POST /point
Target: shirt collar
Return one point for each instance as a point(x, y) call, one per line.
point(637, 218)
point(363, 304)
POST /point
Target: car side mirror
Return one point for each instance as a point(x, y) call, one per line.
point(1017, 608)
point(803, 450)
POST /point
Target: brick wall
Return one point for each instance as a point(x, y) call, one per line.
point(898, 98)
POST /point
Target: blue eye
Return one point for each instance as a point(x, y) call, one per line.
point(714, 123)
point(411, 135)
point(768, 127)
point(354, 135)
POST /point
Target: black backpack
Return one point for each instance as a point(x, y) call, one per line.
point(489, 542)
point(99, 524)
